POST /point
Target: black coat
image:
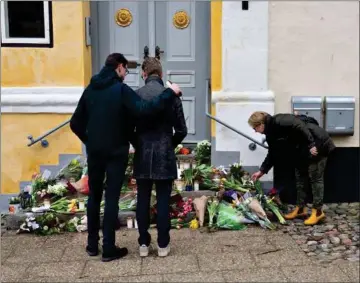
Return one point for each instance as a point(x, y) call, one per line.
point(155, 140)
point(101, 119)
point(290, 140)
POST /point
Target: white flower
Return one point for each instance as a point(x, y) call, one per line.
point(45, 228)
point(57, 189)
point(35, 226)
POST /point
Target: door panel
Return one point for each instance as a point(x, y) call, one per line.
point(129, 40)
point(185, 49)
point(185, 58)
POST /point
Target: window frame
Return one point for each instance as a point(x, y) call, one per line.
point(46, 41)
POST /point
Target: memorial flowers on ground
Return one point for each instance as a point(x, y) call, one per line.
point(59, 203)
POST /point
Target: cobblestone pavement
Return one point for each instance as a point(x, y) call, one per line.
point(335, 239)
point(251, 255)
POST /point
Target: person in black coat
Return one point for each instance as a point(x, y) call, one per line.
point(101, 121)
point(154, 160)
point(307, 144)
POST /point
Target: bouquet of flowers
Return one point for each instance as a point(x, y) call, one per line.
point(73, 171)
point(128, 202)
point(203, 152)
point(45, 224)
point(229, 218)
point(236, 171)
point(212, 209)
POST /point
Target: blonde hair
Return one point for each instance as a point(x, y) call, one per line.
point(257, 118)
point(152, 66)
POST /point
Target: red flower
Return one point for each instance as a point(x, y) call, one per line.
point(273, 191)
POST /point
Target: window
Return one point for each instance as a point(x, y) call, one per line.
point(26, 23)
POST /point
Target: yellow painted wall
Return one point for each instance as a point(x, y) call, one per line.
point(216, 54)
point(62, 65)
point(68, 63)
point(18, 161)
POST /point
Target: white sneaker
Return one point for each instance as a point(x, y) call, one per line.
point(144, 251)
point(162, 252)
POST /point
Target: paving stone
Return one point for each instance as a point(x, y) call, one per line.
point(77, 253)
point(79, 239)
point(35, 255)
point(12, 272)
point(224, 261)
point(89, 280)
point(50, 279)
point(245, 243)
point(5, 253)
point(352, 270)
point(29, 240)
point(279, 258)
point(72, 269)
point(283, 242)
point(8, 243)
point(311, 273)
point(203, 246)
point(58, 240)
point(169, 264)
point(194, 277)
point(122, 267)
point(141, 278)
point(255, 275)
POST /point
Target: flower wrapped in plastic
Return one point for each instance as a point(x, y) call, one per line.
point(229, 218)
point(212, 209)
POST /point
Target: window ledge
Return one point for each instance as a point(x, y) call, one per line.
point(40, 99)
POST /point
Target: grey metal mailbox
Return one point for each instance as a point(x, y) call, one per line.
point(309, 106)
point(340, 115)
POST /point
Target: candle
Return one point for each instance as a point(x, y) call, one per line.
point(81, 205)
point(179, 185)
point(129, 222)
point(47, 203)
point(196, 186)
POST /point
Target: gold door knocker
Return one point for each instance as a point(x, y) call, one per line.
point(181, 20)
point(123, 17)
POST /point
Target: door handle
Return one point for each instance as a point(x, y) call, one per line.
point(146, 52)
point(158, 51)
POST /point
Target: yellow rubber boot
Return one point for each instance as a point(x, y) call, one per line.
point(314, 218)
point(296, 213)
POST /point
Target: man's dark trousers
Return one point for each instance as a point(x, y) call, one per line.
point(114, 166)
point(163, 193)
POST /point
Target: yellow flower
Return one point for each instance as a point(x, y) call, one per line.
point(194, 224)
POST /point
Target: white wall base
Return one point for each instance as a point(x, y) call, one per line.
point(235, 110)
point(40, 99)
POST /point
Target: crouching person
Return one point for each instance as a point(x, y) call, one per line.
point(308, 144)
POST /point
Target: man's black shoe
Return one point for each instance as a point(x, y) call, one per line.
point(92, 251)
point(116, 253)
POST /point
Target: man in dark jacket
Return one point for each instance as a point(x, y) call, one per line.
point(101, 121)
point(308, 144)
point(155, 160)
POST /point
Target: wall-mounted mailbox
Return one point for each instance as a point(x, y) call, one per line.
point(340, 115)
point(309, 106)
